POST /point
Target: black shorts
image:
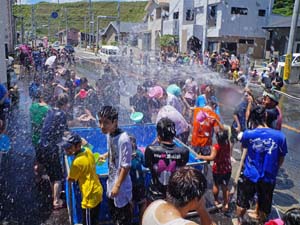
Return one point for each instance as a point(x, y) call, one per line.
point(246, 190)
point(91, 216)
point(50, 162)
point(221, 179)
point(234, 134)
point(138, 193)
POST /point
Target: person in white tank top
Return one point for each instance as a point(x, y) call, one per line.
point(184, 193)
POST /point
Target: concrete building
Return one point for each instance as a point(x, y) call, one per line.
point(129, 32)
point(73, 36)
point(9, 24)
point(234, 25)
point(279, 31)
point(157, 12)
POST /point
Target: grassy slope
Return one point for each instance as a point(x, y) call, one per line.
point(283, 7)
point(133, 12)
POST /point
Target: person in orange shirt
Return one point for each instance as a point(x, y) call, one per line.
point(205, 123)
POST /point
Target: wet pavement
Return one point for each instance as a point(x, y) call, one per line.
point(22, 202)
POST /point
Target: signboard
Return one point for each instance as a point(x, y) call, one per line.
point(54, 15)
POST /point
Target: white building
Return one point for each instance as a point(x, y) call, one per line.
point(231, 24)
point(157, 12)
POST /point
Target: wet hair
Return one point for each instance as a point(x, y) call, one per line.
point(83, 80)
point(62, 100)
point(108, 112)
point(222, 137)
point(257, 117)
point(292, 216)
point(185, 185)
point(166, 129)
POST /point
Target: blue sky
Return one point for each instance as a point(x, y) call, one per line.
point(62, 1)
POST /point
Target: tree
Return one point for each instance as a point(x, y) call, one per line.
point(167, 40)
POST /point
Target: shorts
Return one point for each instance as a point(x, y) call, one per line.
point(221, 179)
point(138, 193)
point(90, 216)
point(50, 160)
point(246, 190)
point(203, 150)
point(234, 134)
point(122, 216)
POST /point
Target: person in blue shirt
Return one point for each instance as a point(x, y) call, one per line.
point(207, 96)
point(266, 149)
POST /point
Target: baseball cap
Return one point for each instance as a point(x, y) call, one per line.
point(69, 140)
point(156, 92)
point(272, 95)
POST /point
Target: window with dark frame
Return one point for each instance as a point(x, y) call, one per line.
point(239, 11)
point(189, 15)
point(175, 15)
point(261, 12)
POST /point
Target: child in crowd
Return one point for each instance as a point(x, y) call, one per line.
point(83, 170)
point(137, 178)
point(221, 168)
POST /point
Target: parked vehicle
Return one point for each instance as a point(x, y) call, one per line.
point(109, 53)
point(69, 49)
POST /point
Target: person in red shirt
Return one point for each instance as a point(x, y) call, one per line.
point(221, 168)
point(205, 123)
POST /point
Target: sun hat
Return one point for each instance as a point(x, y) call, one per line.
point(174, 90)
point(156, 92)
point(272, 95)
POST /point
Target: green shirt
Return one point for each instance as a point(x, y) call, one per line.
point(38, 113)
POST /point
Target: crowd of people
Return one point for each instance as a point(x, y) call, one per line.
point(185, 112)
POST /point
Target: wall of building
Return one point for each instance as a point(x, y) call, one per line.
point(3, 24)
point(244, 25)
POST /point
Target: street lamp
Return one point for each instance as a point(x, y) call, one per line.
point(103, 17)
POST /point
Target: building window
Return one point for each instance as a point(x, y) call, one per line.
point(189, 15)
point(246, 41)
point(239, 11)
point(175, 15)
point(212, 16)
point(261, 12)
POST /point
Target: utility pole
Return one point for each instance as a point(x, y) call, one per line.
point(288, 58)
point(204, 41)
point(93, 32)
point(90, 20)
point(32, 23)
point(85, 31)
point(22, 30)
point(66, 18)
point(48, 28)
point(118, 22)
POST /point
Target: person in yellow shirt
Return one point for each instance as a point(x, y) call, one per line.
point(83, 170)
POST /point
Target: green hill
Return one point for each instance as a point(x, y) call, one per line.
point(130, 11)
point(283, 7)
